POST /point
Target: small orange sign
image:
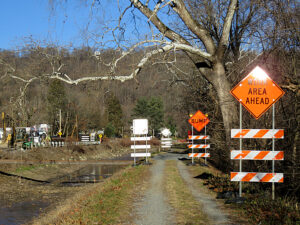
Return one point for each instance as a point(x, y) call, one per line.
point(257, 92)
point(199, 120)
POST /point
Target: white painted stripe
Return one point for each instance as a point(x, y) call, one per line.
point(257, 177)
point(199, 146)
point(166, 142)
point(140, 138)
point(199, 137)
point(166, 146)
point(252, 132)
point(140, 146)
point(251, 156)
point(148, 154)
point(166, 139)
point(198, 155)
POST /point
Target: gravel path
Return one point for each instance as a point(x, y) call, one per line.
point(153, 208)
point(210, 205)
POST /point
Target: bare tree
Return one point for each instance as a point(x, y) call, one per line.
point(206, 31)
point(196, 38)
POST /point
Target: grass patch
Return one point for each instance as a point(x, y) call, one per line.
point(106, 203)
point(187, 209)
point(28, 168)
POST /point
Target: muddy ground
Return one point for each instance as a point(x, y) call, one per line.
point(41, 166)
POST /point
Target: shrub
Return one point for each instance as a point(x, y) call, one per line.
point(263, 210)
point(109, 130)
point(125, 142)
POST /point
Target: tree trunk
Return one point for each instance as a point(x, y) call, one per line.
point(295, 159)
point(226, 100)
point(228, 110)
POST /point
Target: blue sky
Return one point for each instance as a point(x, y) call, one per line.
point(24, 18)
point(20, 19)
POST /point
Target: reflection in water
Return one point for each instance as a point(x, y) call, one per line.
point(21, 212)
point(91, 174)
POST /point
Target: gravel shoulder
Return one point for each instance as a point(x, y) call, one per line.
point(211, 207)
point(153, 207)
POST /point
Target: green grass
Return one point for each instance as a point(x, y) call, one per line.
point(28, 168)
point(111, 203)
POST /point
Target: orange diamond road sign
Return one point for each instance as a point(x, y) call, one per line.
point(257, 92)
point(199, 120)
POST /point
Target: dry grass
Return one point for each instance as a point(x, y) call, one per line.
point(187, 209)
point(105, 203)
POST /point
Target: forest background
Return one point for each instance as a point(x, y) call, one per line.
point(179, 78)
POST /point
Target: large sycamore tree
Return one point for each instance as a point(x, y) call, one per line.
point(203, 31)
point(200, 29)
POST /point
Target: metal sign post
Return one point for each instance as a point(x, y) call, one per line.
point(257, 92)
point(273, 149)
point(240, 185)
point(146, 149)
point(193, 146)
point(205, 144)
point(134, 160)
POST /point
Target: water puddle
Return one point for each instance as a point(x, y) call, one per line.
point(89, 174)
point(21, 212)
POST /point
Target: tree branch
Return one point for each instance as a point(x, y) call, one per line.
point(166, 31)
point(226, 29)
point(196, 28)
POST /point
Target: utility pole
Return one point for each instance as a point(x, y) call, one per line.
point(4, 126)
point(76, 127)
point(59, 133)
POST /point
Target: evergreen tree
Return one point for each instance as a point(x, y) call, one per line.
point(56, 100)
point(171, 125)
point(109, 130)
point(156, 113)
point(141, 108)
point(151, 109)
point(114, 113)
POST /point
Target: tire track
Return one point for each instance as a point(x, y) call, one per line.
point(153, 209)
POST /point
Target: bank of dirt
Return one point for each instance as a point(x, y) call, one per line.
point(16, 191)
point(109, 202)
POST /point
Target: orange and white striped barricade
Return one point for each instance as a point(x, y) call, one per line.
point(257, 133)
point(257, 92)
point(199, 146)
point(198, 121)
point(199, 137)
point(256, 177)
point(199, 155)
point(257, 155)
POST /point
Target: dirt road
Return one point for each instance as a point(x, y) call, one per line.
point(154, 209)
